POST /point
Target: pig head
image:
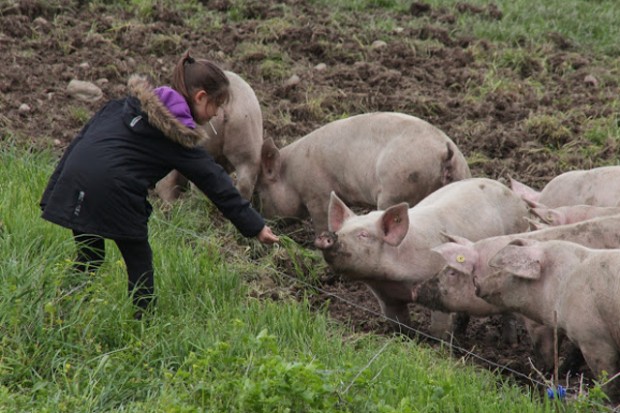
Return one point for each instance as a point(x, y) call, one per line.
point(372, 160)
point(563, 284)
point(235, 140)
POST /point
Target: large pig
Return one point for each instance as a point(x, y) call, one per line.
point(390, 250)
point(235, 141)
point(597, 186)
point(452, 288)
point(563, 284)
point(374, 160)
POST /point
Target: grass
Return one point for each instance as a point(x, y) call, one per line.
point(69, 342)
point(587, 25)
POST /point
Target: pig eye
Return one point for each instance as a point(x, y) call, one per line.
point(363, 235)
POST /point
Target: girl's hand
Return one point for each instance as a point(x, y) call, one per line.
point(266, 236)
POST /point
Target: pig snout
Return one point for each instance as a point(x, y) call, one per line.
point(428, 294)
point(325, 240)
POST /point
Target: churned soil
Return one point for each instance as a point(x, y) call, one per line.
point(523, 117)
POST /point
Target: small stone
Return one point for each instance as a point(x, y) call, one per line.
point(320, 67)
point(57, 142)
point(378, 44)
point(84, 91)
point(40, 21)
point(292, 81)
point(24, 108)
point(591, 81)
point(85, 65)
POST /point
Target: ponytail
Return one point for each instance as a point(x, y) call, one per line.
point(191, 75)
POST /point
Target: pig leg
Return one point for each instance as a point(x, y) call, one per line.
point(541, 337)
point(509, 329)
point(397, 311)
point(170, 187)
point(442, 325)
point(602, 356)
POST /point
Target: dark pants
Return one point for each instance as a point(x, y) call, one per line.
point(138, 258)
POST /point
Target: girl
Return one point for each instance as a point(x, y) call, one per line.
point(100, 186)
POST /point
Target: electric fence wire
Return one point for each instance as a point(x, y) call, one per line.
point(403, 327)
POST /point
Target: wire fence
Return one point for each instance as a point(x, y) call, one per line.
point(552, 389)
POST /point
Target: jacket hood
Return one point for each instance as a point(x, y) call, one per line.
point(160, 117)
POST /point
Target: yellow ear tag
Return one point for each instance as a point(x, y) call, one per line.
point(549, 217)
point(460, 258)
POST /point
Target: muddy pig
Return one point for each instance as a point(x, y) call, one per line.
point(235, 140)
point(564, 282)
point(597, 186)
point(452, 289)
point(374, 160)
point(390, 250)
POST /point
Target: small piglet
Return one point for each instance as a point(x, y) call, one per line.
point(235, 141)
point(372, 160)
point(390, 250)
point(565, 283)
point(597, 186)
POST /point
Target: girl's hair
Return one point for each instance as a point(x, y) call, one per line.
point(191, 75)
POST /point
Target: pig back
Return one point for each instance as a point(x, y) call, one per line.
point(597, 186)
point(474, 208)
point(366, 156)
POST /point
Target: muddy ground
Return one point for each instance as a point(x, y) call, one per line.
point(529, 124)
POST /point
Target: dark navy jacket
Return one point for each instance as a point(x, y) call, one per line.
point(101, 183)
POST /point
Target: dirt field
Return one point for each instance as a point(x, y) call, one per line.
point(529, 124)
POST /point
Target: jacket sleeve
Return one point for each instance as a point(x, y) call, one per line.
point(200, 168)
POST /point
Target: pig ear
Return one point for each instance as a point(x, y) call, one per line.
point(455, 238)
point(395, 223)
point(525, 192)
point(458, 256)
point(337, 212)
point(549, 215)
point(521, 257)
point(270, 159)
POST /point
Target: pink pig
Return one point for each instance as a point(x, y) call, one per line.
point(565, 284)
point(390, 250)
point(235, 141)
point(372, 160)
point(595, 186)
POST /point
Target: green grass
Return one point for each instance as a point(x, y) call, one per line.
point(69, 342)
point(588, 25)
